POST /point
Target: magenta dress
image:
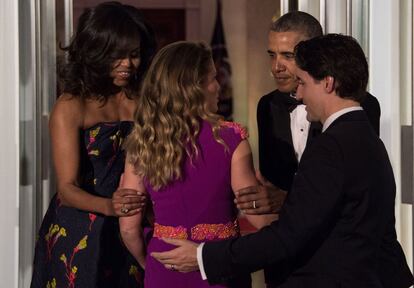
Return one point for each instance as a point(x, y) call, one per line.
point(199, 207)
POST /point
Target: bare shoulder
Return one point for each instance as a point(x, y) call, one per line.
point(68, 111)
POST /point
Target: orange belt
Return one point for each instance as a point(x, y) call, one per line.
point(198, 232)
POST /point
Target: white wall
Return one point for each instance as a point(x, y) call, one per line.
point(9, 149)
point(406, 94)
point(385, 85)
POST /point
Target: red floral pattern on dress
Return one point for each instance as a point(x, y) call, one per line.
point(65, 231)
point(55, 232)
point(92, 217)
point(92, 138)
point(238, 128)
point(72, 270)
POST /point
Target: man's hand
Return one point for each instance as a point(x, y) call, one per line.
point(263, 199)
point(182, 259)
point(127, 202)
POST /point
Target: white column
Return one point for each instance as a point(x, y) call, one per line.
point(406, 92)
point(284, 6)
point(335, 16)
point(385, 85)
point(9, 144)
point(310, 6)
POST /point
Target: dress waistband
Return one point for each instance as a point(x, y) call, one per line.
point(199, 232)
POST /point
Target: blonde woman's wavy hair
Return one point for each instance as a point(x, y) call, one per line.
point(167, 120)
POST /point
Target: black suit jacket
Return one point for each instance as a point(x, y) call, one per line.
point(337, 224)
point(277, 158)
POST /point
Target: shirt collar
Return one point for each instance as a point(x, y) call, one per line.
point(337, 114)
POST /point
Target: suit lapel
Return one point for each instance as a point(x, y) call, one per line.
point(315, 129)
point(281, 119)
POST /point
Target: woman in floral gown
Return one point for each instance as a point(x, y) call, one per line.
point(79, 243)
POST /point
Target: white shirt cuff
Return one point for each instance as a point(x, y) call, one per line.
point(200, 261)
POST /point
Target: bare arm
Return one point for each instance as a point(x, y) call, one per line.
point(268, 198)
point(243, 175)
point(130, 227)
point(65, 122)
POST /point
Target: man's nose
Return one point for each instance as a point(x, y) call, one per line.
point(277, 65)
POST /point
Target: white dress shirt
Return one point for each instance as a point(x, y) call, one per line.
point(299, 127)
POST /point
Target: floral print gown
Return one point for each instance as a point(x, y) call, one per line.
point(78, 248)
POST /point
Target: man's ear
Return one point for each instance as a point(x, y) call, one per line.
point(329, 84)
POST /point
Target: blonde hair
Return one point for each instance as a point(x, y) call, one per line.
point(171, 105)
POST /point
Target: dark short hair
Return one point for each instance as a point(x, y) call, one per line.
point(298, 21)
point(105, 33)
point(339, 56)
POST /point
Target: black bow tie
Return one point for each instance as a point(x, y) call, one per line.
point(291, 102)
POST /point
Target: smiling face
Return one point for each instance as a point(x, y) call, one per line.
point(312, 93)
point(281, 47)
point(211, 88)
point(124, 68)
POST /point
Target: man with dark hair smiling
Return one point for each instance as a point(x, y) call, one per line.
point(283, 131)
point(336, 227)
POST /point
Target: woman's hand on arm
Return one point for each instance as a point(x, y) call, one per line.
point(127, 202)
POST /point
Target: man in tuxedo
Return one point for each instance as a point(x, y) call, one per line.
point(283, 129)
point(336, 227)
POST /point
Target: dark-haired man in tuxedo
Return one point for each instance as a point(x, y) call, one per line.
point(283, 129)
point(336, 227)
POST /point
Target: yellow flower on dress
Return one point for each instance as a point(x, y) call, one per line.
point(94, 132)
point(52, 230)
point(115, 136)
point(133, 270)
point(55, 229)
point(82, 243)
point(62, 232)
point(51, 284)
point(94, 152)
point(63, 258)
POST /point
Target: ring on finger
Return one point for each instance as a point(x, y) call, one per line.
point(172, 267)
point(254, 204)
point(124, 209)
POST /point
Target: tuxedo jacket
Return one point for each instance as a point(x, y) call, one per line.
point(337, 224)
point(277, 158)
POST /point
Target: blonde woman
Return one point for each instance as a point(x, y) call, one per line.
point(187, 159)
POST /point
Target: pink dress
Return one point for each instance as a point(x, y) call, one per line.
point(199, 207)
